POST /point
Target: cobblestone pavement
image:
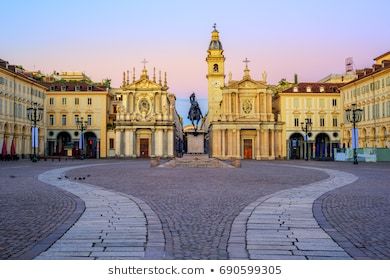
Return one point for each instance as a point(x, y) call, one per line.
point(30, 211)
point(361, 212)
point(113, 226)
point(197, 206)
point(356, 216)
point(282, 225)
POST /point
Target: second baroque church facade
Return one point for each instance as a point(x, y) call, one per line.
point(240, 120)
point(147, 124)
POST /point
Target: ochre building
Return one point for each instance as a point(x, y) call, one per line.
point(70, 101)
point(371, 93)
point(240, 120)
point(19, 91)
point(321, 104)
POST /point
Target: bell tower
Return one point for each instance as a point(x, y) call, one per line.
point(215, 74)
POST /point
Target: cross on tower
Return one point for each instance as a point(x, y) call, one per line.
point(144, 62)
point(246, 61)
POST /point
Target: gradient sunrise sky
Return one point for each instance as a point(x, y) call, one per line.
point(105, 38)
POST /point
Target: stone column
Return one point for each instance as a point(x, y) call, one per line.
point(153, 144)
point(264, 144)
point(272, 144)
point(258, 144)
point(118, 137)
point(269, 103)
point(128, 102)
point(165, 143)
point(263, 106)
point(127, 143)
point(223, 151)
point(131, 143)
point(237, 106)
point(171, 146)
point(135, 143)
point(238, 143)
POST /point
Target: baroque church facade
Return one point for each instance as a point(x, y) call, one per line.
point(147, 124)
point(240, 120)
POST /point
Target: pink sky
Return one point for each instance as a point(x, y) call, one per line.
point(310, 39)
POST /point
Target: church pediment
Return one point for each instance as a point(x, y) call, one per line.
point(143, 84)
point(249, 83)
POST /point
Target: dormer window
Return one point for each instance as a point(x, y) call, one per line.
point(295, 89)
point(322, 89)
point(308, 89)
point(77, 88)
point(89, 88)
point(63, 88)
point(52, 88)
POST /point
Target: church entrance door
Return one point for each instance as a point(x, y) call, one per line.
point(247, 148)
point(144, 147)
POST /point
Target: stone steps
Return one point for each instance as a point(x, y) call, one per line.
point(196, 161)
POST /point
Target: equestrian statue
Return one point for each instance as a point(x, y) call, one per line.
point(194, 114)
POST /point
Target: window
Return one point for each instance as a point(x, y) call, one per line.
point(89, 120)
point(388, 108)
point(322, 103)
point(89, 88)
point(77, 88)
point(322, 121)
point(63, 88)
point(51, 100)
point(334, 102)
point(63, 100)
point(334, 122)
point(51, 120)
point(296, 122)
point(308, 103)
point(383, 109)
point(296, 102)
point(76, 119)
point(63, 119)
point(112, 144)
point(52, 88)
point(215, 67)
point(89, 100)
point(76, 101)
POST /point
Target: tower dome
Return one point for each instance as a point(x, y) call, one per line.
point(215, 44)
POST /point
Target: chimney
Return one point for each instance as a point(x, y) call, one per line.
point(296, 78)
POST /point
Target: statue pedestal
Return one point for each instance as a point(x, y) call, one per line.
point(195, 142)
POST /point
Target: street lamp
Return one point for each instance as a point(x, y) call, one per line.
point(354, 115)
point(306, 127)
point(34, 114)
point(82, 126)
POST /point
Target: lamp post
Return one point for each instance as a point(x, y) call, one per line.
point(82, 126)
point(354, 115)
point(306, 128)
point(34, 114)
